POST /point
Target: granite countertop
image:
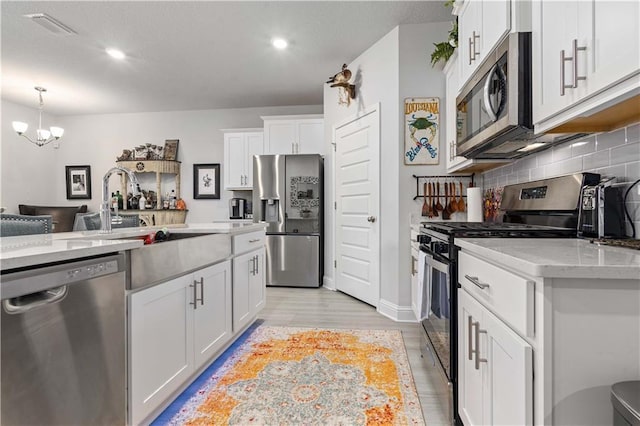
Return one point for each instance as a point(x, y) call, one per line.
point(557, 258)
point(33, 250)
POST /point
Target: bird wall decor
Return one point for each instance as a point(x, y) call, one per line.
point(340, 80)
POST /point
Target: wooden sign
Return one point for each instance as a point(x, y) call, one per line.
point(422, 131)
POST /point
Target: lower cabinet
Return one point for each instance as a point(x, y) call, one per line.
point(249, 287)
point(175, 328)
point(495, 369)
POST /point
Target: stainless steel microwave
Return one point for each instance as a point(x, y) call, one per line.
point(494, 108)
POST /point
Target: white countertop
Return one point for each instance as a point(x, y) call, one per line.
point(560, 258)
point(32, 250)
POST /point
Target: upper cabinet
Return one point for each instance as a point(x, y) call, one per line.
point(240, 145)
point(294, 134)
point(586, 57)
point(482, 24)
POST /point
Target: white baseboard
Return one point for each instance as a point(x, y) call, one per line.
point(396, 312)
point(328, 283)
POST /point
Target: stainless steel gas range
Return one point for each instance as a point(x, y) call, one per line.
point(541, 209)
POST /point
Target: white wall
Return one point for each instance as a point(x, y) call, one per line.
point(395, 67)
point(97, 140)
point(27, 170)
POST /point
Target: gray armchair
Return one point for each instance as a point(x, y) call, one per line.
point(17, 224)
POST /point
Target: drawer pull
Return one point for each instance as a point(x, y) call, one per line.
point(477, 282)
point(254, 241)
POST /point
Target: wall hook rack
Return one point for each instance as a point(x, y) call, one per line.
point(440, 178)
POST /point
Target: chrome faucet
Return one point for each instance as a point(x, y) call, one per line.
point(105, 212)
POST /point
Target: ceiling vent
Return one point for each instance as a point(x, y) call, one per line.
point(50, 23)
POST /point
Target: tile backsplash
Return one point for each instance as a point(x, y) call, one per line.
point(615, 153)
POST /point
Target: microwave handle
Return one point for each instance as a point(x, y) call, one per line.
point(487, 102)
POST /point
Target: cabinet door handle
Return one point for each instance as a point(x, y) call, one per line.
point(477, 282)
point(413, 263)
point(293, 148)
point(256, 263)
point(201, 291)
point(195, 295)
point(254, 240)
point(252, 266)
point(576, 77)
point(475, 37)
point(469, 331)
point(477, 350)
point(470, 53)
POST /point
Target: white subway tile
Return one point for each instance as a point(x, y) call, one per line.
point(633, 133)
point(625, 153)
point(512, 178)
point(536, 174)
point(595, 160)
point(583, 146)
point(565, 167)
point(561, 152)
point(610, 140)
point(523, 176)
point(545, 157)
point(617, 171)
point(633, 170)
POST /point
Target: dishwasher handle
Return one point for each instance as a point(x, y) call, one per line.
point(21, 304)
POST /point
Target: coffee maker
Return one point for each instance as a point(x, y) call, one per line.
point(601, 213)
point(237, 208)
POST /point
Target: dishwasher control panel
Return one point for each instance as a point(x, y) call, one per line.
point(48, 277)
point(92, 271)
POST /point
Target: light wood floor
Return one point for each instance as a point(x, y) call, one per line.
point(318, 307)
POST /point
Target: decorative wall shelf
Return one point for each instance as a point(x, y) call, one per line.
point(153, 217)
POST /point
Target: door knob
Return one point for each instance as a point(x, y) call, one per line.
point(371, 219)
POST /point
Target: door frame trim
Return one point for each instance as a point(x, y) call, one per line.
point(372, 108)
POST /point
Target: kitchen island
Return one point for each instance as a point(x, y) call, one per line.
point(545, 327)
point(185, 299)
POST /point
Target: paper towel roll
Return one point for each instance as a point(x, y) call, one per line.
point(474, 204)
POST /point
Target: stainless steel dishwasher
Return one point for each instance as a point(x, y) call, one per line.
point(63, 344)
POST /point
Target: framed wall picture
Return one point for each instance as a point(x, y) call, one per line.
point(78, 182)
point(421, 131)
point(206, 181)
point(171, 149)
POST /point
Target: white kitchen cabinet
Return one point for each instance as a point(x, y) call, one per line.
point(175, 328)
point(297, 134)
point(240, 145)
point(600, 43)
point(213, 316)
point(249, 287)
point(495, 368)
point(482, 24)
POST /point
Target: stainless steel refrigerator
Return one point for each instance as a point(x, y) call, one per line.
point(288, 196)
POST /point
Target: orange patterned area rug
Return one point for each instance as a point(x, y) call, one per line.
point(292, 376)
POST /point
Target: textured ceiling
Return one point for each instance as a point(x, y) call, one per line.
point(186, 55)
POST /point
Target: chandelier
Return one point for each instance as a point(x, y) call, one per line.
point(43, 136)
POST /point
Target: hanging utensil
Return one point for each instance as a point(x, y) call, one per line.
point(446, 213)
point(461, 203)
point(434, 207)
point(425, 207)
point(453, 204)
point(428, 201)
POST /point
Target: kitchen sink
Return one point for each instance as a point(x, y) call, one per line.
point(180, 254)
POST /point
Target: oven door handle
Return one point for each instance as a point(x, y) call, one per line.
point(434, 259)
point(436, 264)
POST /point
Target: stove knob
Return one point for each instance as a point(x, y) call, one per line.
point(439, 247)
point(424, 239)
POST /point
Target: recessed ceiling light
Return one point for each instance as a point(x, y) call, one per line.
point(115, 53)
point(279, 43)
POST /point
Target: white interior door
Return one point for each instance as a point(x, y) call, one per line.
point(357, 166)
